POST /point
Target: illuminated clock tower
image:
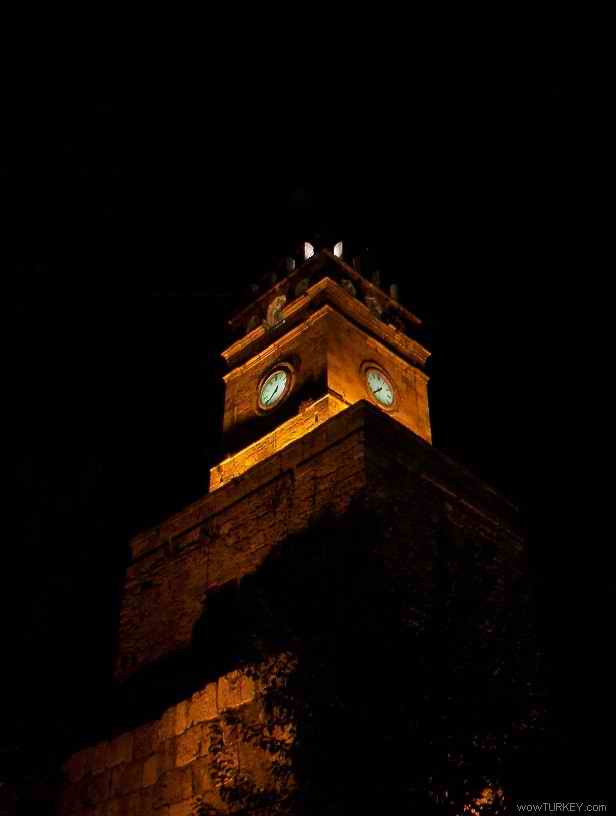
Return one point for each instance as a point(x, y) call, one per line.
point(325, 416)
point(319, 341)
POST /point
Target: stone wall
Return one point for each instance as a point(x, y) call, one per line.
point(360, 455)
point(163, 765)
point(290, 431)
point(228, 534)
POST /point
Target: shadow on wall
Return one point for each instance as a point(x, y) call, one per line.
point(259, 425)
point(417, 680)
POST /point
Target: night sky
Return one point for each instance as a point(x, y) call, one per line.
point(134, 221)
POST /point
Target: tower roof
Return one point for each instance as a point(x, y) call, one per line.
point(323, 278)
point(319, 265)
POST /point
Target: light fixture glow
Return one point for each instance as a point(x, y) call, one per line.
point(308, 250)
point(338, 250)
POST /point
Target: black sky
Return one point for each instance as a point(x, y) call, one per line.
point(133, 219)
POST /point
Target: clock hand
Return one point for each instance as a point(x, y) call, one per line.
point(377, 390)
point(267, 402)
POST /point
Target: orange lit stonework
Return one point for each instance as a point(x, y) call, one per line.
point(326, 447)
point(164, 762)
point(327, 337)
point(289, 431)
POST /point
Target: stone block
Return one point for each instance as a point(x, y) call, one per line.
point(151, 770)
point(167, 754)
point(184, 808)
point(146, 739)
point(202, 781)
point(120, 749)
point(188, 746)
point(160, 790)
point(229, 690)
point(180, 784)
point(203, 705)
point(247, 689)
point(173, 786)
point(166, 725)
point(181, 717)
point(126, 778)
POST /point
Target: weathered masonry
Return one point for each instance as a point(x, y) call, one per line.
point(326, 413)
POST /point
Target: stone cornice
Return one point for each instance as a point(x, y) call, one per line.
point(320, 263)
point(326, 291)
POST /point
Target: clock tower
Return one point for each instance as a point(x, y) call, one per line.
point(329, 470)
point(313, 344)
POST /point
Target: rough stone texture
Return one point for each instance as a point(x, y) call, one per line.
point(284, 434)
point(151, 770)
point(168, 755)
point(126, 778)
point(247, 689)
point(228, 533)
point(145, 740)
point(229, 690)
point(166, 725)
point(175, 770)
point(121, 749)
point(203, 704)
point(181, 717)
point(189, 746)
point(175, 786)
point(184, 808)
point(202, 782)
point(162, 765)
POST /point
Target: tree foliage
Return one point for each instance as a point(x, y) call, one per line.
point(383, 685)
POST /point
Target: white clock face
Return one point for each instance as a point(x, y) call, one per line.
point(273, 389)
point(380, 387)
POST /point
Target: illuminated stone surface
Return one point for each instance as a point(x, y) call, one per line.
point(203, 705)
point(175, 769)
point(328, 448)
point(360, 449)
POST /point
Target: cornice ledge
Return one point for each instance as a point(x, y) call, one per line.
point(328, 291)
